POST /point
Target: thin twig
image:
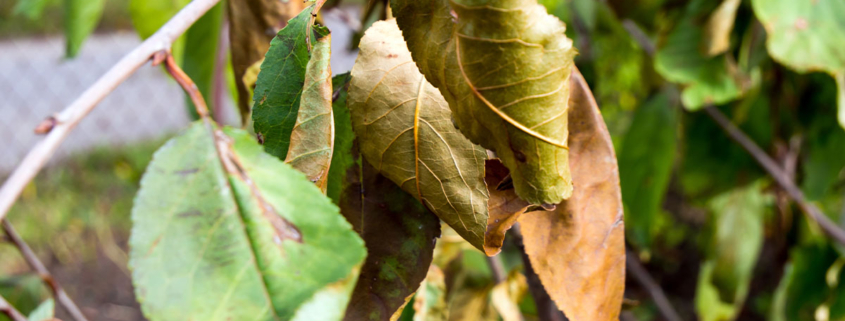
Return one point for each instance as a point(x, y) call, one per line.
point(29, 256)
point(641, 275)
point(10, 311)
point(187, 84)
point(829, 227)
point(786, 183)
point(496, 268)
point(68, 118)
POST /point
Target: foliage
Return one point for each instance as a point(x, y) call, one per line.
point(472, 113)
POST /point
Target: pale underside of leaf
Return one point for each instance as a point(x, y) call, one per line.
point(220, 224)
point(405, 131)
point(504, 69)
point(312, 138)
point(588, 226)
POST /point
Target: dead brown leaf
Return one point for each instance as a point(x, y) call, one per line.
point(503, 206)
point(578, 250)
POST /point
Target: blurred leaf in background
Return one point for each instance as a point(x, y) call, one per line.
point(81, 17)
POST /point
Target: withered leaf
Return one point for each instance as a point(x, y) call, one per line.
point(312, 138)
point(504, 207)
point(505, 296)
point(504, 68)
point(400, 236)
point(252, 24)
point(717, 34)
point(404, 129)
point(578, 250)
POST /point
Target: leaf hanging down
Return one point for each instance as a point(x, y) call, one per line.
point(279, 87)
point(312, 137)
point(237, 235)
point(252, 25)
point(645, 169)
point(504, 68)
point(725, 277)
point(200, 55)
point(81, 17)
point(807, 36)
point(588, 226)
point(404, 128)
point(44, 312)
point(400, 236)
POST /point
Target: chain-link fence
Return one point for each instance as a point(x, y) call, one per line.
point(37, 82)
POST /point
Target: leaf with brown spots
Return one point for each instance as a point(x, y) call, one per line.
point(405, 131)
point(578, 250)
point(252, 24)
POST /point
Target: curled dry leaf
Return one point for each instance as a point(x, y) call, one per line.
point(504, 68)
point(252, 24)
point(578, 250)
point(504, 207)
point(312, 138)
point(404, 129)
point(400, 236)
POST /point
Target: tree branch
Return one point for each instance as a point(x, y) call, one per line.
point(781, 177)
point(66, 120)
point(654, 290)
point(58, 292)
point(10, 311)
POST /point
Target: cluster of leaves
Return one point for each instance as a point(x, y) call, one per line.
point(228, 221)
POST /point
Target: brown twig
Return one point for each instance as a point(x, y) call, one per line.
point(654, 290)
point(781, 177)
point(546, 309)
point(29, 256)
point(187, 84)
point(10, 311)
point(70, 116)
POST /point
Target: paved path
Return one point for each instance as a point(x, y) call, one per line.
point(35, 82)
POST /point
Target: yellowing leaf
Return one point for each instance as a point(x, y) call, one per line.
point(404, 129)
point(506, 296)
point(504, 68)
point(252, 24)
point(430, 301)
point(578, 250)
point(717, 35)
point(312, 138)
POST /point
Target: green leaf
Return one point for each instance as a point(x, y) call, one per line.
point(149, 15)
point(249, 23)
point(504, 68)
point(200, 55)
point(279, 86)
point(342, 157)
point(807, 36)
point(825, 160)
point(312, 137)
point(706, 80)
point(81, 17)
point(404, 129)
point(737, 240)
point(400, 235)
point(44, 312)
point(803, 287)
point(646, 160)
point(251, 240)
